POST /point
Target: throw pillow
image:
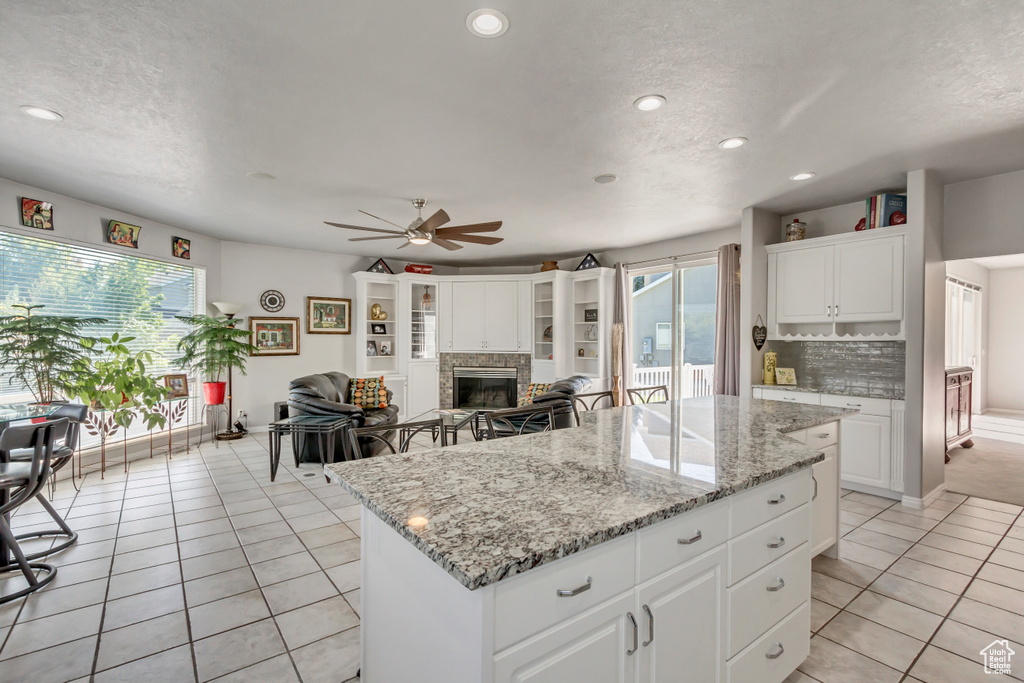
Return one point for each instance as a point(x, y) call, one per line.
point(369, 392)
point(532, 391)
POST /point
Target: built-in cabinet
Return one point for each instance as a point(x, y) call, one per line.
point(485, 316)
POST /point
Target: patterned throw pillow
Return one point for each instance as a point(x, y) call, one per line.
point(369, 392)
point(533, 391)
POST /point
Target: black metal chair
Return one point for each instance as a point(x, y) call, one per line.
point(63, 453)
point(657, 394)
point(406, 431)
point(591, 401)
point(518, 421)
point(19, 483)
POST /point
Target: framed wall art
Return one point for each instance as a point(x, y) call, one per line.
point(36, 214)
point(178, 384)
point(274, 336)
point(123, 234)
point(325, 315)
point(181, 248)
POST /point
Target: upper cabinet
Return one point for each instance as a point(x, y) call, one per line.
point(842, 287)
point(485, 316)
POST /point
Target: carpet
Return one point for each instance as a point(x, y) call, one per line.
point(992, 469)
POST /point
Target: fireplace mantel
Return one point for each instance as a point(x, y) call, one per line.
point(522, 362)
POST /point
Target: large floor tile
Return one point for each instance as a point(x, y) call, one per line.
point(1007, 559)
point(337, 553)
point(329, 660)
point(836, 664)
point(1009, 599)
point(873, 539)
point(907, 533)
point(821, 612)
point(896, 615)
point(313, 622)
point(239, 648)
point(278, 669)
point(207, 544)
point(218, 586)
point(913, 593)
point(284, 568)
point(143, 580)
point(346, 577)
point(930, 575)
point(52, 600)
point(872, 557)
point(939, 666)
point(832, 591)
point(59, 664)
point(890, 647)
point(142, 640)
point(960, 546)
point(227, 613)
point(214, 563)
point(299, 592)
point(968, 642)
point(1004, 576)
point(141, 559)
point(143, 606)
point(1003, 623)
point(170, 666)
point(945, 559)
point(968, 534)
point(39, 634)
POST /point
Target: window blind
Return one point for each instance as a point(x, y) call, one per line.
point(138, 296)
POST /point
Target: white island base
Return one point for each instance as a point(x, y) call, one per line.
point(720, 593)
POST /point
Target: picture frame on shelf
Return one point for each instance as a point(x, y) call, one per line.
point(590, 315)
point(785, 376)
point(328, 315)
point(385, 348)
point(379, 266)
point(378, 328)
point(371, 348)
point(178, 385)
point(273, 336)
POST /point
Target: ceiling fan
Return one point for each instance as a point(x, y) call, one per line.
point(428, 231)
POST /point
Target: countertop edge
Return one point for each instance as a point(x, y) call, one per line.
point(816, 390)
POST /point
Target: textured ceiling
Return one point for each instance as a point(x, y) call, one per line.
point(365, 104)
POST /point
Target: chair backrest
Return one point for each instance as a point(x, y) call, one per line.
point(606, 399)
point(404, 430)
point(76, 414)
point(40, 439)
point(657, 394)
point(517, 421)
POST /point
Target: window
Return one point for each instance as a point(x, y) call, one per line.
point(663, 337)
point(138, 296)
point(963, 322)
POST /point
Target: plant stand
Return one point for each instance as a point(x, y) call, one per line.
point(214, 411)
point(173, 410)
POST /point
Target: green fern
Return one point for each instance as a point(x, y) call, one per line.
point(213, 346)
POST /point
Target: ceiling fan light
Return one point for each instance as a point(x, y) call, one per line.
point(419, 239)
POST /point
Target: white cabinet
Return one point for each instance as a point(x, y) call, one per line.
point(805, 280)
point(825, 504)
point(468, 325)
point(869, 280)
point(485, 316)
point(444, 316)
point(866, 447)
point(423, 393)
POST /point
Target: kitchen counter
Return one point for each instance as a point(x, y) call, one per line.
point(859, 393)
point(487, 511)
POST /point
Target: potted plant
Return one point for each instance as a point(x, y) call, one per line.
point(212, 348)
point(47, 353)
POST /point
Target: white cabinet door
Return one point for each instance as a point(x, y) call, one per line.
point(589, 648)
point(423, 388)
point(468, 324)
point(866, 446)
point(825, 501)
point(525, 300)
point(500, 315)
point(869, 280)
point(444, 317)
point(680, 616)
point(804, 282)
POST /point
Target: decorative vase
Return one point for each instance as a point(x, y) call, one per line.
point(427, 299)
point(796, 230)
point(214, 392)
point(548, 265)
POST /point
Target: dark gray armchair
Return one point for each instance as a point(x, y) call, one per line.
point(327, 394)
point(559, 397)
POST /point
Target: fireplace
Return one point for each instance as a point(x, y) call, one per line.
point(491, 388)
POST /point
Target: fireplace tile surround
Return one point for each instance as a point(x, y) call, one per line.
point(522, 362)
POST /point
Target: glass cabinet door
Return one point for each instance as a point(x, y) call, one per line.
point(424, 321)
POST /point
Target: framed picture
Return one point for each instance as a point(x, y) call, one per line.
point(274, 336)
point(371, 348)
point(178, 384)
point(785, 376)
point(181, 247)
point(328, 316)
point(123, 234)
point(378, 328)
point(385, 348)
point(380, 267)
point(590, 315)
point(36, 214)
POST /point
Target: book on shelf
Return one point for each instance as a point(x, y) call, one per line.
point(883, 210)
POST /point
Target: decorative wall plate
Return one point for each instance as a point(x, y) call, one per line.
point(272, 301)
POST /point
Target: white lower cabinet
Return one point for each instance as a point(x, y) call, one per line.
point(424, 378)
point(867, 447)
point(825, 504)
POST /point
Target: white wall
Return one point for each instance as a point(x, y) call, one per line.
point(979, 275)
point(984, 217)
point(1006, 330)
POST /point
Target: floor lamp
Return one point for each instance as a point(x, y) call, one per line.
point(230, 311)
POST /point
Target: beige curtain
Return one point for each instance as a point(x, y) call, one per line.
point(727, 322)
point(622, 369)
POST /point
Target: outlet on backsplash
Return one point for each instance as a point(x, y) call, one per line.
point(870, 369)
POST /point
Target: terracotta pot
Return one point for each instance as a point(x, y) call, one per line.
point(214, 392)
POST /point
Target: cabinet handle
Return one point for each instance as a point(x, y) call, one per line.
point(570, 592)
point(777, 587)
point(829, 312)
point(837, 310)
point(853, 405)
point(815, 480)
point(778, 544)
point(650, 621)
point(826, 435)
point(776, 501)
point(777, 654)
point(636, 634)
point(692, 539)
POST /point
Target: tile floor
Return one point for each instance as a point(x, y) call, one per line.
point(199, 569)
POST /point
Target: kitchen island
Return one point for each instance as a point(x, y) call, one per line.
point(647, 543)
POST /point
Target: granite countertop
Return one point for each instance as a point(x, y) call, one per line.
point(498, 508)
point(886, 393)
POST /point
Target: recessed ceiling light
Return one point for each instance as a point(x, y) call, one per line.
point(260, 175)
point(649, 102)
point(806, 175)
point(605, 178)
point(41, 113)
point(732, 143)
point(487, 23)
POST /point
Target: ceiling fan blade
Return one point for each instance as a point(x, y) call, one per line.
point(402, 228)
point(475, 239)
point(475, 227)
point(437, 220)
point(403, 245)
point(367, 239)
point(357, 227)
point(450, 246)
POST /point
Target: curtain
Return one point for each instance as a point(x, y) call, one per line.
point(622, 368)
point(727, 322)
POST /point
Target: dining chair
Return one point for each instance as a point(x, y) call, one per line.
point(519, 421)
point(658, 394)
point(590, 401)
point(405, 432)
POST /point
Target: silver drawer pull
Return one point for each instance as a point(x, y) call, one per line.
point(636, 634)
point(825, 435)
point(692, 539)
point(650, 618)
point(777, 587)
point(777, 653)
point(776, 501)
point(777, 544)
point(815, 480)
point(570, 592)
point(853, 405)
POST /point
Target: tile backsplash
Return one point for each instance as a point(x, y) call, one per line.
point(863, 368)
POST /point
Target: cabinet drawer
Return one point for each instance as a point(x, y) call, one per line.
point(823, 435)
point(800, 435)
point(754, 550)
point(790, 637)
point(766, 502)
point(867, 406)
point(791, 396)
point(530, 603)
point(662, 546)
point(753, 607)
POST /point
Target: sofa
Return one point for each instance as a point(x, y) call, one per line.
point(559, 397)
point(328, 394)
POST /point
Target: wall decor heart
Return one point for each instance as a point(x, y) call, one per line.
point(760, 333)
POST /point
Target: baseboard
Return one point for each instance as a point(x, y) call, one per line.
point(1008, 437)
point(922, 503)
point(871, 490)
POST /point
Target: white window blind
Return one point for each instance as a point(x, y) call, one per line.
point(138, 296)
